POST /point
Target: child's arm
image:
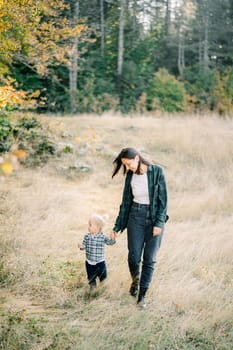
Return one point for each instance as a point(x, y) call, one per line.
point(109, 240)
point(82, 246)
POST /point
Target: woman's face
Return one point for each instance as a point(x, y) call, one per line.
point(131, 164)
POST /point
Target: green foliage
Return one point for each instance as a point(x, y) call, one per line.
point(212, 90)
point(28, 123)
point(165, 93)
point(67, 149)
point(72, 275)
point(6, 133)
point(37, 145)
point(222, 94)
point(28, 134)
point(137, 71)
point(19, 332)
point(93, 98)
point(149, 46)
point(64, 340)
point(199, 85)
point(45, 146)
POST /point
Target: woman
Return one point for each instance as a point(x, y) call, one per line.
point(143, 212)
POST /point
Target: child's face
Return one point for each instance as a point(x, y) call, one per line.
point(93, 227)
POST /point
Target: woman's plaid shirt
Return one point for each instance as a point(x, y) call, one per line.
point(94, 244)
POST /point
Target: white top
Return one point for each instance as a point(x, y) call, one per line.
point(140, 190)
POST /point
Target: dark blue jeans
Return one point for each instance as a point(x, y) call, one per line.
point(93, 271)
point(141, 242)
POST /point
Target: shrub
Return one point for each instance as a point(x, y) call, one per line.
point(28, 135)
point(141, 105)
point(222, 95)
point(165, 93)
point(6, 133)
point(212, 90)
point(88, 102)
point(29, 123)
point(37, 145)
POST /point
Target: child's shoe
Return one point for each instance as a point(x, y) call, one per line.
point(93, 287)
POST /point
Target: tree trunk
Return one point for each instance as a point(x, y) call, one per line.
point(121, 41)
point(73, 67)
point(181, 56)
point(200, 49)
point(181, 40)
point(206, 43)
point(134, 17)
point(102, 26)
point(204, 37)
point(156, 11)
point(168, 17)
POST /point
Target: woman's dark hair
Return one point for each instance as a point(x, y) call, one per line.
point(128, 153)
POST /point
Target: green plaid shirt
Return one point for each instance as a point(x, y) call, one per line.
point(94, 246)
point(157, 194)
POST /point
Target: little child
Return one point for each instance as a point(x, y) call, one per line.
point(94, 245)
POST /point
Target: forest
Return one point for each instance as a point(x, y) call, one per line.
point(132, 56)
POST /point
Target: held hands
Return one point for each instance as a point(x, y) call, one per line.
point(113, 235)
point(156, 231)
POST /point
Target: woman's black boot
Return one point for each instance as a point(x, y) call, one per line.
point(134, 286)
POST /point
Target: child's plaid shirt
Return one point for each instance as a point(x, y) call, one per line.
point(94, 244)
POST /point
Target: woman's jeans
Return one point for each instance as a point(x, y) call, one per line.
point(141, 241)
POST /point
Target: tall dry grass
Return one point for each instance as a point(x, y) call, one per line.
point(45, 213)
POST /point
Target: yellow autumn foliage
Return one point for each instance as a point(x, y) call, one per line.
point(11, 161)
point(10, 96)
point(25, 34)
point(6, 168)
point(20, 154)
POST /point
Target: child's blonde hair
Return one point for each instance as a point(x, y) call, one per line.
point(99, 220)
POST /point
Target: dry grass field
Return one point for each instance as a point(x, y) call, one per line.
point(45, 304)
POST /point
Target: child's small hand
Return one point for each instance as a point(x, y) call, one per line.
point(113, 235)
point(80, 246)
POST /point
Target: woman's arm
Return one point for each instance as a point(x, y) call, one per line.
point(121, 220)
point(161, 214)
